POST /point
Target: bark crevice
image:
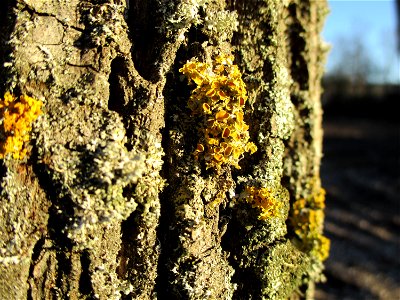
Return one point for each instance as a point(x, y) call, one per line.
point(85, 283)
point(145, 34)
point(7, 23)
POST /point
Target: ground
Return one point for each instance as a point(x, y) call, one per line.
point(361, 174)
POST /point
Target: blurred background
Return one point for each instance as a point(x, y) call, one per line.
point(361, 164)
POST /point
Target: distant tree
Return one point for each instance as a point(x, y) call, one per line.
point(353, 62)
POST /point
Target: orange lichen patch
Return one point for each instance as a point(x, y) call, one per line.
point(200, 148)
point(17, 115)
point(228, 151)
point(321, 247)
point(307, 219)
point(319, 199)
point(221, 116)
point(250, 148)
point(219, 97)
point(263, 199)
point(308, 222)
point(226, 132)
point(206, 108)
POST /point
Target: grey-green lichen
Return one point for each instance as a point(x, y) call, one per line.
point(93, 179)
point(265, 58)
point(221, 25)
point(105, 23)
point(281, 270)
point(201, 270)
point(18, 198)
point(24, 215)
point(261, 232)
point(269, 84)
point(218, 24)
point(82, 154)
point(187, 12)
point(62, 52)
point(275, 271)
point(271, 102)
point(151, 184)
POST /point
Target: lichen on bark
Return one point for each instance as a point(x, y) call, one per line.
point(111, 202)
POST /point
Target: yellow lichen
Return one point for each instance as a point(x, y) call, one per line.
point(17, 115)
point(307, 219)
point(219, 97)
point(321, 247)
point(263, 199)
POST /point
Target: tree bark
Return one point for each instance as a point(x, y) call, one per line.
point(111, 203)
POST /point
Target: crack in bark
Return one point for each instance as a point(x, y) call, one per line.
point(37, 249)
point(32, 11)
point(85, 283)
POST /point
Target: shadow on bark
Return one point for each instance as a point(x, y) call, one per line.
point(7, 22)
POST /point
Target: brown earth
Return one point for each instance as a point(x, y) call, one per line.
point(361, 174)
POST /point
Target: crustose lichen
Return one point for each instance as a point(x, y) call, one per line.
point(307, 219)
point(17, 115)
point(219, 98)
point(263, 199)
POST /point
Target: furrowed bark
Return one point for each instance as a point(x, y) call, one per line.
point(110, 202)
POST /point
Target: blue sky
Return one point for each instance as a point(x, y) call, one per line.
point(375, 23)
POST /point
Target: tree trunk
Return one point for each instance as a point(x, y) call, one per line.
point(110, 202)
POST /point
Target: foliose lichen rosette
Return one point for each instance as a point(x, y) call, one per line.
point(17, 115)
point(220, 97)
